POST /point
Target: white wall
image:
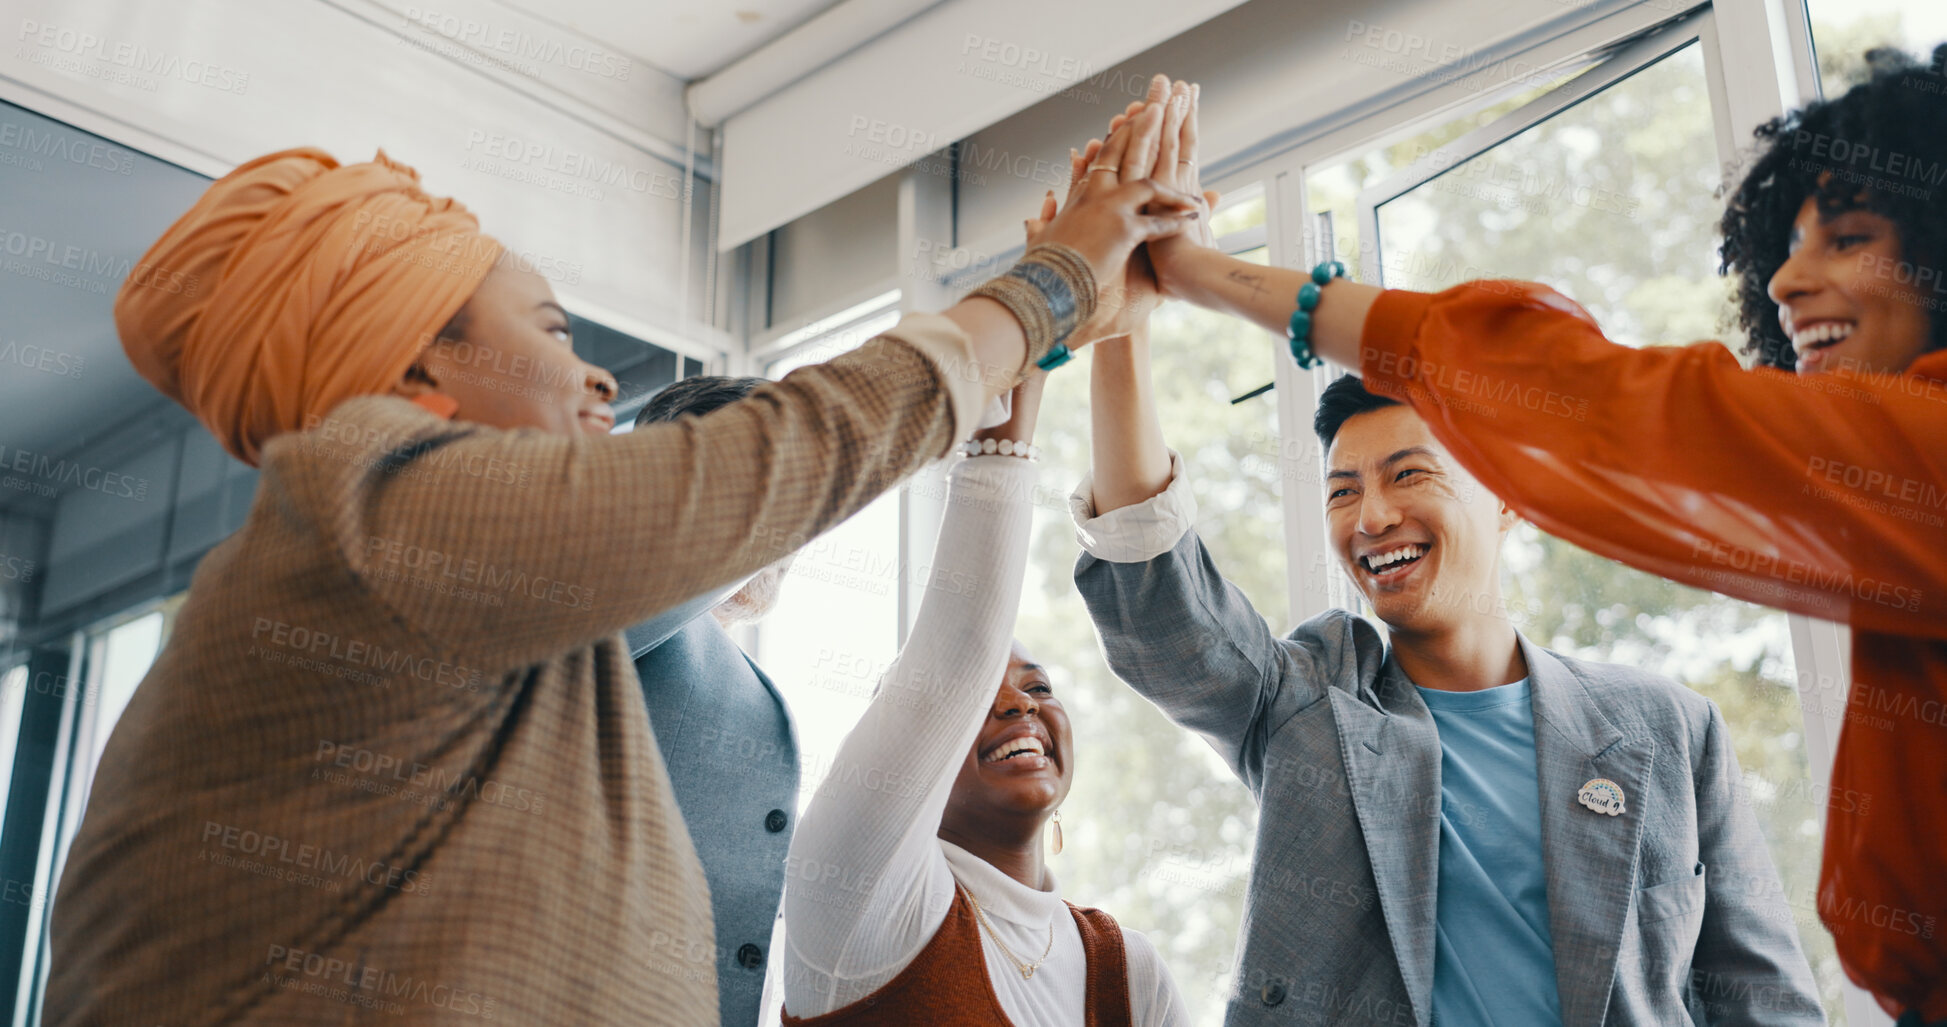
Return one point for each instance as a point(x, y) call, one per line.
point(945, 73)
point(566, 153)
point(833, 253)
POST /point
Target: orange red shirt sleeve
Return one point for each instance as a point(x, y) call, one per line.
point(1826, 495)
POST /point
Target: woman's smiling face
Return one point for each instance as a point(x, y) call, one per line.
point(1022, 760)
point(1847, 299)
point(514, 364)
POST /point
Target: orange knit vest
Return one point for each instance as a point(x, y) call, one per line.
point(946, 985)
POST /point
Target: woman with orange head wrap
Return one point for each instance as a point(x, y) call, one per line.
point(394, 755)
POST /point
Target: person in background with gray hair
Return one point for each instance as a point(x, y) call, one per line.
point(726, 735)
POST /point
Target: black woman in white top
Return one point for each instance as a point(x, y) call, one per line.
point(928, 831)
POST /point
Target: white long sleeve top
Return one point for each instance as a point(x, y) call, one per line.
point(868, 882)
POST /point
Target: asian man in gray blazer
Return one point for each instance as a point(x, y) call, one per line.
point(1456, 825)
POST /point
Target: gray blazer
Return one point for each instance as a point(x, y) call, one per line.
point(1667, 914)
point(727, 738)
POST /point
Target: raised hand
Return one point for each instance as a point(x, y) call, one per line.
point(1177, 167)
point(1123, 306)
point(1110, 211)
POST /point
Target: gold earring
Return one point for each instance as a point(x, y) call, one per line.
point(1057, 832)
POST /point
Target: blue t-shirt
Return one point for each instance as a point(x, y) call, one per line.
point(1493, 962)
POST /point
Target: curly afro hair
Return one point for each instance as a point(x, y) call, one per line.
point(1882, 147)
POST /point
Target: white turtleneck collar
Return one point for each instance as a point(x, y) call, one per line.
point(1002, 897)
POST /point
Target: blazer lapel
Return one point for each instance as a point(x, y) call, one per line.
point(1589, 857)
point(1391, 751)
point(783, 708)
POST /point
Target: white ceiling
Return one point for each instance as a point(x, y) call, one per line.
point(686, 38)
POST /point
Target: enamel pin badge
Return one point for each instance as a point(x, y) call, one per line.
point(1603, 796)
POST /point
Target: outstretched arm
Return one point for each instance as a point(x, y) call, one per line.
point(1172, 627)
point(572, 539)
point(868, 884)
point(1818, 494)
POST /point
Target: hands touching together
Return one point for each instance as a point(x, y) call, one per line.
point(1162, 148)
point(1137, 212)
point(1153, 141)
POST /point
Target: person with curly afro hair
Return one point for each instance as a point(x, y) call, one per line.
point(1815, 482)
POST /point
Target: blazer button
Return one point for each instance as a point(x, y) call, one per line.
point(750, 957)
point(774, 821)
point(1272, 993)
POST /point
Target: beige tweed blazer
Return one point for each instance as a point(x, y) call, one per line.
point(393, 765)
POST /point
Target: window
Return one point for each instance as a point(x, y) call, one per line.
point(1843, 30)
point(835, 628)
point(118, 657)
point(13, 695)
point(1613, 202)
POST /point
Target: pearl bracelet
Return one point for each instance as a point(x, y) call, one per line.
point(1003, 447)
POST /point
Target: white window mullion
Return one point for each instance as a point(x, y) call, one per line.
point(925, 227)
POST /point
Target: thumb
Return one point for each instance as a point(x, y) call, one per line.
point(1152, 197)
point(1161, 226)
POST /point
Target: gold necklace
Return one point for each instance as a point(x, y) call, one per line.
point(1027, 969)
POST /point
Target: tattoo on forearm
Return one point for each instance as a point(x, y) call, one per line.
point(1255, 281)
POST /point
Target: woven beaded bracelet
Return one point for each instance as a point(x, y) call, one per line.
point(1299, 331)
point(1051, 292)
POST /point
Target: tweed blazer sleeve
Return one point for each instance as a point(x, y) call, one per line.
point(513, 546)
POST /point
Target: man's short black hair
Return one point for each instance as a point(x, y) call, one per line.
point(1340, 402)
point(1834, 150)
point(698, 395)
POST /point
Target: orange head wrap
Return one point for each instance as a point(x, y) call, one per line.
point(293, 285)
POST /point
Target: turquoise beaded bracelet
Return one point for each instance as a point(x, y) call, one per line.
point(1299, 331)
